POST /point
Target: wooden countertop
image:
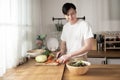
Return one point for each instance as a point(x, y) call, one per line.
point(96, 72)
point(29, 71)
point(101, 54)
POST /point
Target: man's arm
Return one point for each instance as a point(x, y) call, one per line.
point(87, 46)
point(63, 47)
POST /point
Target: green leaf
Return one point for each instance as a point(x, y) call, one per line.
point(47, 52)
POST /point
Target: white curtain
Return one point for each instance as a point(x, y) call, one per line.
point(15, 32)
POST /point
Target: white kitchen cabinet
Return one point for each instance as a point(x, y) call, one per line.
point(97, 60)
point(113, 61)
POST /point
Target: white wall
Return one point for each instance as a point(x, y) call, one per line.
point(97, 13)
point(36, 19)
point(36, 15)
point(52, 8)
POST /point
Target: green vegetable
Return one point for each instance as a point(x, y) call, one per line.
point(47, 53)
point(77, 63)
point(41, 37)
point(41, 58)
point(51, 54)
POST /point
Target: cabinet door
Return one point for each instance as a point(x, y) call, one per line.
point(97, 60)
point(113, 61)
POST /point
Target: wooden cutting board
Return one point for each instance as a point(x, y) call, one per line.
point(50, 71)
point(47, 64)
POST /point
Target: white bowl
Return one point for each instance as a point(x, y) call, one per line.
point(36, 52)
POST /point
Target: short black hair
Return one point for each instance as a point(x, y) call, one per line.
point(66, 7)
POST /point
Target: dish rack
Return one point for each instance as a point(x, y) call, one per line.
point(111, 40)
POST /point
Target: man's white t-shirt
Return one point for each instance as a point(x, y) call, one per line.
point(74, 35)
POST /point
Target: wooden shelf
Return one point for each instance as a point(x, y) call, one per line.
point(111, 35)
point(113, 48)
point(112, 41)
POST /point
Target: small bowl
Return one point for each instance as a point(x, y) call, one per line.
point(78, 70)
point(36, 52)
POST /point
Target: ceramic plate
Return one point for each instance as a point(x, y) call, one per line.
point(52, 44)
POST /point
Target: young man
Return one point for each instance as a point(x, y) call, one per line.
point(76, 37)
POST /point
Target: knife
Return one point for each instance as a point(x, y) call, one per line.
point(58, 55)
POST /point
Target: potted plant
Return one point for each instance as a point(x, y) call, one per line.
point(41, 40)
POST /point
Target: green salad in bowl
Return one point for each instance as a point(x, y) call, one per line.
point(79, 67)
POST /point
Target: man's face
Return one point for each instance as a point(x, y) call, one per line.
point(71, 16)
